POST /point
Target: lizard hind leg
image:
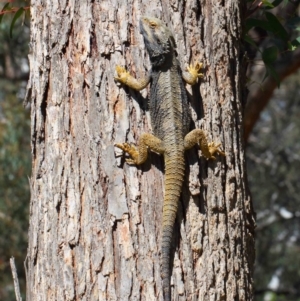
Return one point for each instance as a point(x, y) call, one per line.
point(139, 154)
point(197, 136)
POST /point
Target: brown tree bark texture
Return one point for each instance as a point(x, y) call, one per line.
point(95, 222)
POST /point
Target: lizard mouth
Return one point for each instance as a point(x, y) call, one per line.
point(142, 30)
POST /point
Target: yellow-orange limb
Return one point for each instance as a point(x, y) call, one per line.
point(125, 78)
point(139, 155)
point(197, 136)
point(193, 73)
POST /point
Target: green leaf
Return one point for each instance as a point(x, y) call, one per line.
point(277, 27)
point(249, 40)
point(294, 44)
point(291, 47)
point(257, 23)
point(267, 4)
point(269, 55)
point(17, 15)
point(5, 8)
point(297, 40)
point(293, 22)
point(276, 3)
point(272, 72)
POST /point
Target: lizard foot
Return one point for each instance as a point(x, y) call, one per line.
point(122, 75)
point(194, 70)
point(214, 149)
point(131, 150)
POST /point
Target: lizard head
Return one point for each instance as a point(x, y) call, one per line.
point(159, 40)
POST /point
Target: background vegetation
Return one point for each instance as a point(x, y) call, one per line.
point(273, 157)
point(14, 152)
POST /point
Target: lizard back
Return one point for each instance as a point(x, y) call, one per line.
point(168, 103)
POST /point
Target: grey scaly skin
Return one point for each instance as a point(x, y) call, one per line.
point(170, 120)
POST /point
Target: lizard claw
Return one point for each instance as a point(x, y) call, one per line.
point(122, 75)
point(195, 70)
point(214, 149)
point(130, 150)
point(130, 161)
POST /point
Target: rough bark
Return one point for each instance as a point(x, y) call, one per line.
point(95, 222)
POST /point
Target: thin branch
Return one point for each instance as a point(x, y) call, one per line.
point(15, 78)
point(28, 290)
point(15, 278)
point(13, 10)
point(253, 10)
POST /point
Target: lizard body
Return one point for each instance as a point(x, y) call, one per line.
point(170, 121)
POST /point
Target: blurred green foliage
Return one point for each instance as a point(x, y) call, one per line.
point(273, 168)
point(278, 34)
point(15, 162)
point(14, 192)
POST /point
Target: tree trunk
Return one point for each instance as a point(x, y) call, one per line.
point(95, 222)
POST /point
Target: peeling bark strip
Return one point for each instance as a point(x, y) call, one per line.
point(95, 223)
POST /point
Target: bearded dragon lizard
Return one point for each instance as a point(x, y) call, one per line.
point(169, 112)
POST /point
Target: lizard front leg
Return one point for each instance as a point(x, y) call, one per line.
point(139, 155)
point(197, 136)
point(193, 73)
point(125, 78)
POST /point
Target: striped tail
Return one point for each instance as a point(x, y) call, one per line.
point(174, 174)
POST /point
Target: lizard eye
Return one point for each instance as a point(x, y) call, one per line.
point(152, 24)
